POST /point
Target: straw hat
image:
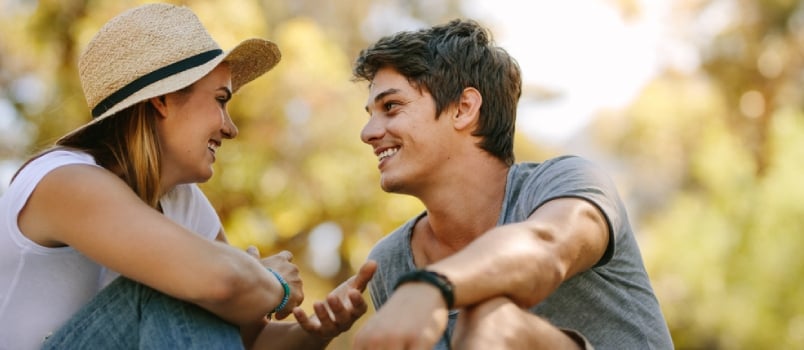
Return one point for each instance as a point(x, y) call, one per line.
point(155, 49)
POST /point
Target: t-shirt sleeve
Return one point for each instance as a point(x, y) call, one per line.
point(576, 177)
point(188, 206)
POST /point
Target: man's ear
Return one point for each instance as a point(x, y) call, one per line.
point(159, 104)
point(468, 109)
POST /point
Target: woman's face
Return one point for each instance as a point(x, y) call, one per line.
point(192, 126)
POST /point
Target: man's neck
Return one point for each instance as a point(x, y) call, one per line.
point(459, 212)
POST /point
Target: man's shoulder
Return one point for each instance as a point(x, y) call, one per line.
point(392, 242)
point(561, 169)
point(566, 160)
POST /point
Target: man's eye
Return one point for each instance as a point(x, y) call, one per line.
point(390, 105)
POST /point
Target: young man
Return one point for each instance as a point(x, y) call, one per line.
point(506, 256)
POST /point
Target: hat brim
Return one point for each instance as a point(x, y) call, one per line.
point(247, 61)
point(251, 59)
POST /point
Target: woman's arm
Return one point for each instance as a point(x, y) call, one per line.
point(96, 213)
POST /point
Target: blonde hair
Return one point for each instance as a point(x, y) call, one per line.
point(127, 145)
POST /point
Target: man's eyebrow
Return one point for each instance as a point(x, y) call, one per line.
point(382, 95)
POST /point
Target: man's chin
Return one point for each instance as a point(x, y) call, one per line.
point(388, 186)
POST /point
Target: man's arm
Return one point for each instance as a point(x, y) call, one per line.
point(527, 261)
point(524, 262)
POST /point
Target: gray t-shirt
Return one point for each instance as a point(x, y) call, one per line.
point(612, 304)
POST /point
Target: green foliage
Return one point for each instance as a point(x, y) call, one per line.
point(715, 176)
point(725, 254)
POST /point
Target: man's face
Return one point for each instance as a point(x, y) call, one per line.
point(408, 140)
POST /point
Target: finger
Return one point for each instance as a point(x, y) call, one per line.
point(253, 251)
point(359, 306)
point(286, 254)
point(338, 309)
point(283, 314)
point(305, 321)
point(347, 313)
point(364, 275)
point(323, 315)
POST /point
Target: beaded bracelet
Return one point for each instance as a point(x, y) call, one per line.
point(285, 287)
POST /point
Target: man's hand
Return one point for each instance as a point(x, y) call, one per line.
point(343, 306)
point(414, 317)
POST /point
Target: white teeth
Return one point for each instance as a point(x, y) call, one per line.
point(387, 153)
point(213, 146)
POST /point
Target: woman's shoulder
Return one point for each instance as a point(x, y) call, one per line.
point(46, 162)
point(66, 154)
point(57, 157)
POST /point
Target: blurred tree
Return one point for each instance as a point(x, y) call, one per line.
point(714, 158)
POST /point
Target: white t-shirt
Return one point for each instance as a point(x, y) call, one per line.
point(40, 287)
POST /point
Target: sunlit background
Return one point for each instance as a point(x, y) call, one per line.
point(693, 106)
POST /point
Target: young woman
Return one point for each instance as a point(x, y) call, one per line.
point(117, 197)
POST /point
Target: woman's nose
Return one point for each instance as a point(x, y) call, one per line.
point(229, 128)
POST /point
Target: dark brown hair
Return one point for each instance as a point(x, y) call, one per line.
point(445, 60)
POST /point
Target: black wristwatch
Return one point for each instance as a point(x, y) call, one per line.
point(431, 277)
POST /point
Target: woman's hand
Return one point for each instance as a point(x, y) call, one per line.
point(281, 264)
